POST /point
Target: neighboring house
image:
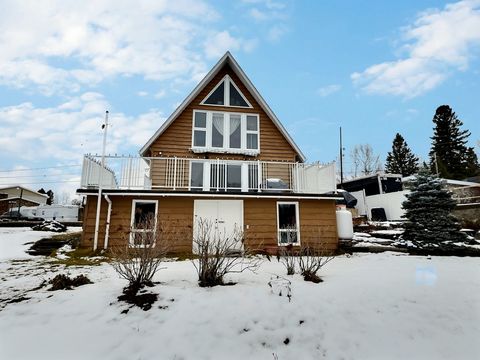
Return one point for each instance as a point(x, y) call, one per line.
point(387, 192)
point(222, 156)
point(12, 197)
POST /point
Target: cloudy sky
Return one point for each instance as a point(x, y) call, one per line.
point(375, 68)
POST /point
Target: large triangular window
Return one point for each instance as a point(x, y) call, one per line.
point(226, 93)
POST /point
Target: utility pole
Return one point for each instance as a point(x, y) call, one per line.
point(100, 175)
point(19, 202)
point(341, 159)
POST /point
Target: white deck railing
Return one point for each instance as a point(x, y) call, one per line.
point(190, 174)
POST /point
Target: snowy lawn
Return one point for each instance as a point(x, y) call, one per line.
point(370, 306)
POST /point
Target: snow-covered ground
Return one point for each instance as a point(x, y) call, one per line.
point(370, 306)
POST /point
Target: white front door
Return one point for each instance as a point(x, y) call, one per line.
point(226, 216)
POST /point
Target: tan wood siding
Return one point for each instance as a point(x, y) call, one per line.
point(317, 221)
point(177, 138)
point(176, 212)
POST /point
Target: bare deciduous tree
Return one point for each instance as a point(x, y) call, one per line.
point(220, 253)
point(364, 161)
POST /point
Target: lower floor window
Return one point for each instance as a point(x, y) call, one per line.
point(143, 222)
point(288, 223)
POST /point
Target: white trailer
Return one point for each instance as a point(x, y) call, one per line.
point(62, 213)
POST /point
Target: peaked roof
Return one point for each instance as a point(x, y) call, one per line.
point(226, 59)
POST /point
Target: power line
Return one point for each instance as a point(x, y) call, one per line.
point(47, 182)
point(43, 168)
point(37, 176)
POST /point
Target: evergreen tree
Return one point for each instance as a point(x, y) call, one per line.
point(428, 212)
point(449, 153)
point(401, 159)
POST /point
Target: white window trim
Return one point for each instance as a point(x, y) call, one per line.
point(132, 221)
point(226, 133)
point(297, 218)
point(227, 80)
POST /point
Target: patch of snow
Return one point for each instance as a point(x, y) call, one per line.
point(388, 232)
point(370, 306)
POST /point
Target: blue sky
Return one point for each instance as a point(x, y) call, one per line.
point(375, 68)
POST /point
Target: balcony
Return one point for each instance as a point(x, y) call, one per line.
point(192, 174)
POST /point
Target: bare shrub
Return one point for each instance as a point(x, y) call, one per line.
point(311, 260)
point(140, 259)
point(220, 253)
point(287, 256)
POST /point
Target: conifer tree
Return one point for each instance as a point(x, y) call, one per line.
point(401, 160)
point(428, 212)
point(449, 152)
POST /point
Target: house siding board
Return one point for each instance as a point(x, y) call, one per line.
point(317, 221)
point(177, 138)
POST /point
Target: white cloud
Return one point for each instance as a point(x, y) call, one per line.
point(59, 45)
point(160, 94)
point(328, 90)
point(67, 131)
point(269, 4)
point(437, 43)
point(276, 32)
point(272, 15)
point(217, 44)
point(258, 15)
point(142, 93)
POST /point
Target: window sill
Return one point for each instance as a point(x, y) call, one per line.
point(201, 150)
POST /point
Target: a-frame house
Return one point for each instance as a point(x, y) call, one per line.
point(223, 156)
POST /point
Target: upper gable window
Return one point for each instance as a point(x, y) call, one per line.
point(225, 132)
point(226, 93)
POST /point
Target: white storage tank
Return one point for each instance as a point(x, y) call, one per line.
point(344, 223)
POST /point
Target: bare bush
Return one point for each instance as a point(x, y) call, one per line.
point(287, 256)
point(311, 260)
point(140, 259)
point(220, 253)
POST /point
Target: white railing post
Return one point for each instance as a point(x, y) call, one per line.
point(260, 176)
point(175, 173)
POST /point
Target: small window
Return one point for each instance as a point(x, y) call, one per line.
point(288, 223)
point(218, 130)
point(235, 98)
point(196, 179)
point(234, 177)
point(200, 129)
point(200, 119)
point(235, 131)
point(143, 224)
point(217, 96)
point(252, 141)
point(252, 123)
point(252, 132)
